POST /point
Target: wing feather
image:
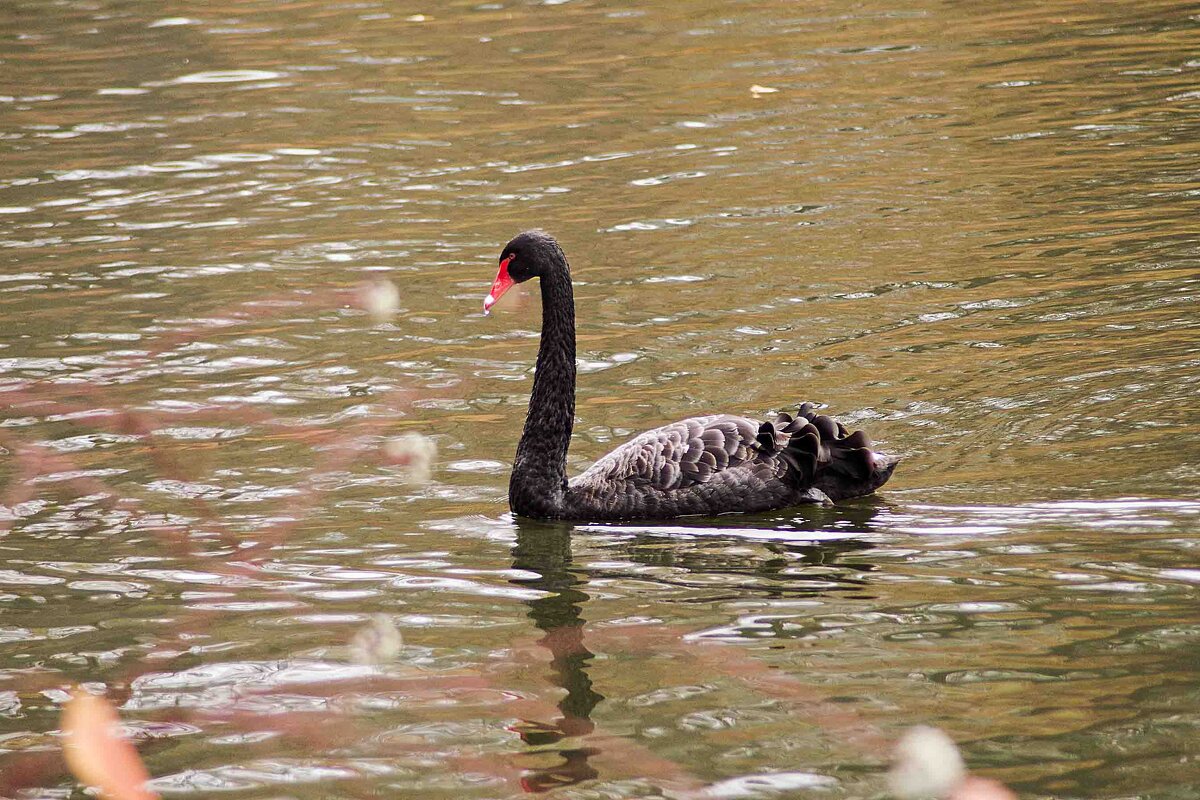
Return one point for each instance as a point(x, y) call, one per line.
point(730, 463)
point(681, 454)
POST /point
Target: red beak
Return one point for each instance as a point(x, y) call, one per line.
point(499, 286)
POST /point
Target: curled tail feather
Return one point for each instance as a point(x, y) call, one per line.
point(820, 453)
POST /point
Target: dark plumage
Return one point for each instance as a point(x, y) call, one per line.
point(702, 465)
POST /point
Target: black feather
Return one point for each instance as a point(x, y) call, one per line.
point(766, 438)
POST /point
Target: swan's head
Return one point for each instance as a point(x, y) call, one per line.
point(530, 254)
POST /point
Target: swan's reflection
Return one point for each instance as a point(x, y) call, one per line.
point(763, 555)
point(544, 549)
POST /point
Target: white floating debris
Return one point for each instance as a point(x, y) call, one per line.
point(377, 642)
point(379, 298)
point(170, 22)
point(414, 451)
point(757, 90)
point(416, 18)
point(927, 765)
point(222, 76)
point(765, 785)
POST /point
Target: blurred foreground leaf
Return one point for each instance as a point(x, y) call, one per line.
point(96, 751)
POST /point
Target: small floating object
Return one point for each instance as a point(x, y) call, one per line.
point(414, 451)
point(379, 298)
point(758, 91)
point(928, 766)
point(377, 642)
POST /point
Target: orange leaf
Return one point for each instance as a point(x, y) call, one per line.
point(981, 789)
point(96, 751)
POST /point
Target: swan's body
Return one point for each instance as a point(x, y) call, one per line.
point(702, 465)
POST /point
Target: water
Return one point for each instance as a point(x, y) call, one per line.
point(968, 229)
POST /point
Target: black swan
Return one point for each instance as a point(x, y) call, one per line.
point(703, 465)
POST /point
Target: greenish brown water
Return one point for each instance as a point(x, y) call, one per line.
point(969, 228)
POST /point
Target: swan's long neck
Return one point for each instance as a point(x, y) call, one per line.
point(540, 470)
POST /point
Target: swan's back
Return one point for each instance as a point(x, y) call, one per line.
point(724, 463)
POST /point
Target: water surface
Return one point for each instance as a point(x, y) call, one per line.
point(969, 229)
